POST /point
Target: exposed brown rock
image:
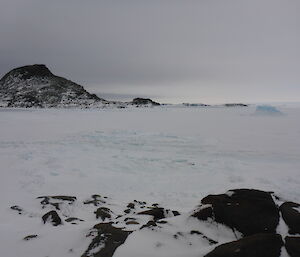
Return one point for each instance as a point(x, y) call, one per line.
point(109, 238)
point(52, 217)
point(246, 210)
point(291, 216)
point(292, 245)
point(259, 245)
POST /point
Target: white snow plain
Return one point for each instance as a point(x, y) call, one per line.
point(168, 155)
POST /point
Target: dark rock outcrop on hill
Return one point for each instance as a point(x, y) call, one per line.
point(103, 213)
point(259, 245)
point(30, 237)
point(52, 217)
point(56, 201)
point(144, 102)
point(159, 213)
point(17, 208)
point(95, 200)
point(247, 210)
point(36, 86)
point(108, 238)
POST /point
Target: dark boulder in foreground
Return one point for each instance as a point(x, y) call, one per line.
point(53, 218)
point(144, 101)
point(103, 213)
point(259, 245)
point(292, 245)
point(108, 239)
point(17, 208)
point(96, 200)
point(47, 199)
point(291, 216)
point(56, 201)
point(30, 237)
point(246, 210)
point(159, 213)
point(73, 220)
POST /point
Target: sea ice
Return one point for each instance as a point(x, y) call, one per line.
point(170, 156)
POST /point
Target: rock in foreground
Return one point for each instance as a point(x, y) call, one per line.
point(291, 215)
point(52, 217)
point(292, 245)
point(238, 223)
point(108, 239)
point(247, 210)
point(259, 245)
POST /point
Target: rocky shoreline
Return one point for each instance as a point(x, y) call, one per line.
point(254, 218)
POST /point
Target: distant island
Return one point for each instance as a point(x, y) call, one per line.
point(35, 86)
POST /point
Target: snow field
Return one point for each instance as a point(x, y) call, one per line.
point(171, 156)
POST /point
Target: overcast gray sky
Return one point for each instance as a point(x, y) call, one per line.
point(208, 51)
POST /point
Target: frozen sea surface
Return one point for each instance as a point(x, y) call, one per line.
point(172, 156)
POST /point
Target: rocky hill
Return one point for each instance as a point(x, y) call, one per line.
point(36, 86)
point(143, 102)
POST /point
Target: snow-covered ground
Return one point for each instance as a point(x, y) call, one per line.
point(173, 156)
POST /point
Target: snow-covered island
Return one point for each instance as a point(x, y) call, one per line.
point(35, 86)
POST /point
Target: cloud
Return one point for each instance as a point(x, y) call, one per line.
point(194, 47)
